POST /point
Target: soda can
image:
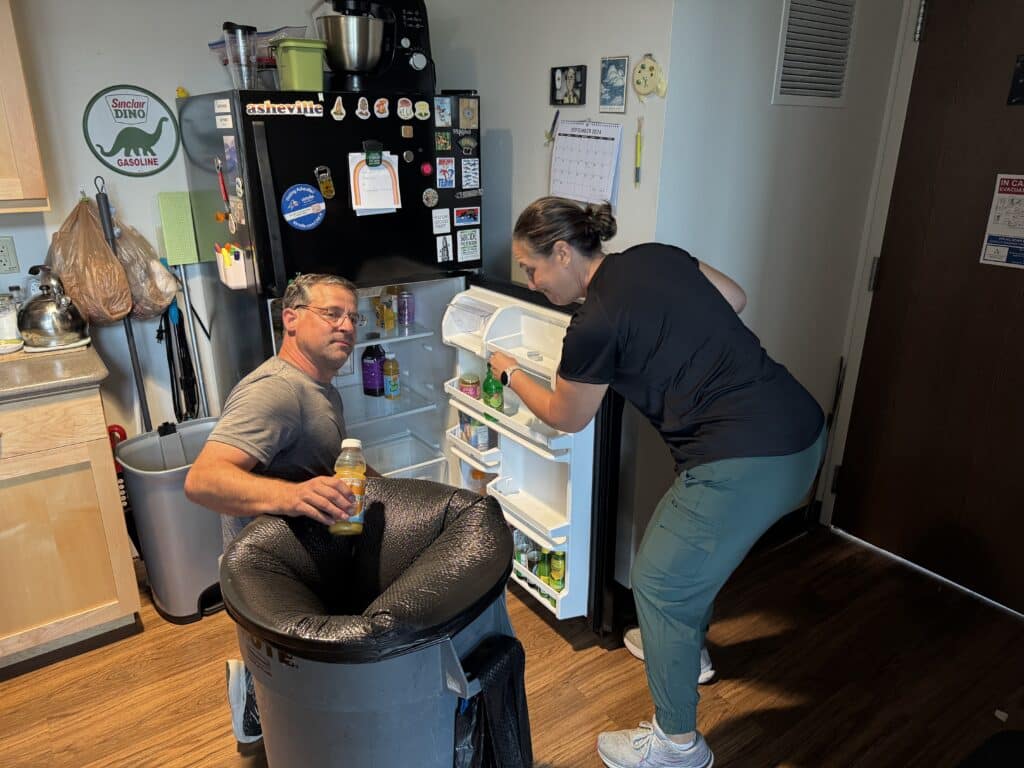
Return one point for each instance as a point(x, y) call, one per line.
point(406, 308)
point(556, 570)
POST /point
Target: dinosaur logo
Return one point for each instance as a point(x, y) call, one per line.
point(130, 130)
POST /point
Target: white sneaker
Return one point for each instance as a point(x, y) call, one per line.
point(635, 644)
point(648, 747)
point(245, 717)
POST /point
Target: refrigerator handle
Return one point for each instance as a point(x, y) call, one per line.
point(259, 131)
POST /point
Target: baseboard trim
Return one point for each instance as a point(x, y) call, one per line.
point(914, 566)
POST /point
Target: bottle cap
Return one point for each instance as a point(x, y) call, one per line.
point(351, 442)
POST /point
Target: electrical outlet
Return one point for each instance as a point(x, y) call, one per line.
point(8, 257)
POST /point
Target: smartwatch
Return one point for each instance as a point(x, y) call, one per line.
point(506, 375)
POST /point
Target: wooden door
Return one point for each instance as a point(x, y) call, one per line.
point(933, 469)
point(22, 186)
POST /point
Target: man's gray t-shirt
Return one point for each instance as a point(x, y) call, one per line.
point(290, 423)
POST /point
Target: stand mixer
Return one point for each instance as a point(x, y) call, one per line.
point(378, 45)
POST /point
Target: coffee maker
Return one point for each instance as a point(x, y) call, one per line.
point(378, 45)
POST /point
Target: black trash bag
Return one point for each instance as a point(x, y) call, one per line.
point(492, 729)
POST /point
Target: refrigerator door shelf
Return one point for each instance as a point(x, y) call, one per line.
point(361, 409)
point(544, 524)
point(365, 335)
point(533, 360)
point(485, 461)
point(401, 452)
point(464, 323)
point(532, 584)
point(521, 424)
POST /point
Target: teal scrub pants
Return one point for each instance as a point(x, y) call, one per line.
point(701, 531)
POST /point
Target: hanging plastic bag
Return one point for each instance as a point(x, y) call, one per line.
point(153, 286)
point(91, 274)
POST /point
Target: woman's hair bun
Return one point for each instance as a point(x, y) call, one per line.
point(601, 220)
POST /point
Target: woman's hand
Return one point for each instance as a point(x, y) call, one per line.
point(500, 362)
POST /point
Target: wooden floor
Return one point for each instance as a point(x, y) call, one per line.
point(827, 655)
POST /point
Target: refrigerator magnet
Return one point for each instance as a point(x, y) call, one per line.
point(443, 111)
point(444, 248)
point(443, 141)
point(303, 207)
point(446, 173)
point(381, 108)
point(406, 131)
point(468, 114)
point(405, 108)
point(469, 244)
point(338, 110)
point(324, 181)
point(467, 217)
point(430, 197)
point(468, 145)
point(442, 221)
point(471, 174)
point(422, 110)
point(363, 108)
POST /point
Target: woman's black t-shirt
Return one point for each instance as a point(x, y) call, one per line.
point(656, 330)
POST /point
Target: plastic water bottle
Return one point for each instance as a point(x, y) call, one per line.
point(351, 467)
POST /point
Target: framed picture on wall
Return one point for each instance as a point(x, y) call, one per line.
point(569, 85)
point(614, 70)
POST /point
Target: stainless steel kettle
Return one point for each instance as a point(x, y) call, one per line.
point(50, 319)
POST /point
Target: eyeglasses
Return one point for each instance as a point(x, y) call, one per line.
point(333, 316)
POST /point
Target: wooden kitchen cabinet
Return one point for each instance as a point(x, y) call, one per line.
point(66, 568)
point(22, 184)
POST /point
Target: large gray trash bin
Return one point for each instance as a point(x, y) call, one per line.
point(356, 643)
point(181, 541)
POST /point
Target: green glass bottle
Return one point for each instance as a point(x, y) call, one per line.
point(492, 391)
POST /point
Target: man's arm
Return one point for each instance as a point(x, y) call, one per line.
point(221, 479)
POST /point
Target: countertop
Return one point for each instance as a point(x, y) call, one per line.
point(26, 376)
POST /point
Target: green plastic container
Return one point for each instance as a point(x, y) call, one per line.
point(300, 64)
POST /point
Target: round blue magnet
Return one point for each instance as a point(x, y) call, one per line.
point(303, 206)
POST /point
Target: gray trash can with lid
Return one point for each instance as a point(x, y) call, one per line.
point(181, 541)
point(355, 643)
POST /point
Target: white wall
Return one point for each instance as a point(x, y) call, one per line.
point(72, 50)
point(503, 49)
point(506, 50)
point(774, 196)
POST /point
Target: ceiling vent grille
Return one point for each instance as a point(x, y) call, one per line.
point(814, 51)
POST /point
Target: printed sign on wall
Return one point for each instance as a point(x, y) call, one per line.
point(130, 130)
point(1004, 237)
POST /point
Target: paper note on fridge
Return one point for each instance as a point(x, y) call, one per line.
point(374, 188)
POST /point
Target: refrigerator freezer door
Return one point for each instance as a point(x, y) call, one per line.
point(309, 225)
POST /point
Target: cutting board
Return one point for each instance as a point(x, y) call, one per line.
point(21, 354)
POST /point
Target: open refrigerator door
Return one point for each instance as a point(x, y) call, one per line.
point(541, 477)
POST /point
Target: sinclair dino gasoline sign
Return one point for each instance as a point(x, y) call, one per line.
point(130, 130)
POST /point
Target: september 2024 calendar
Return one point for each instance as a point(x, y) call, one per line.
point(585, 161)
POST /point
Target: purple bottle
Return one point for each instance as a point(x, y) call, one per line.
point(373, 371)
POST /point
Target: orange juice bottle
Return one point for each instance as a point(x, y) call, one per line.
point(351, 467)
